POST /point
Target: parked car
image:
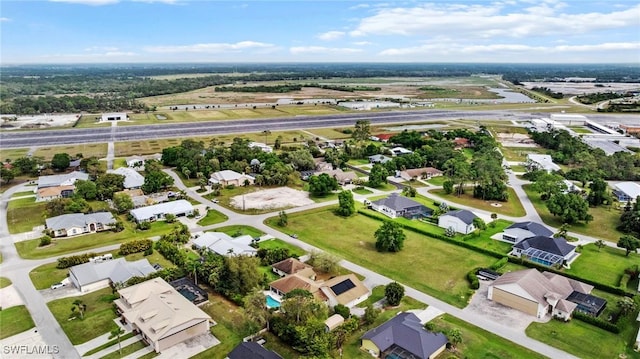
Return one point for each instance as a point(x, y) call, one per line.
point(57, 285)
point(215, 200)
point(293, 235)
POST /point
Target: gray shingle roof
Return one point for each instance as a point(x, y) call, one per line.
point(57, 180)
point(175, 207)
point(533, 227)
point(405, 331)
point(464, 215)
point(397, 202)
point(132, 179)
point(557, 246)
point(252, 350)
point(78, 220)
point(118, 270)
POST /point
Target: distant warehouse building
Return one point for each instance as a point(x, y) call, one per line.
point(114, 116)
point(179, 208)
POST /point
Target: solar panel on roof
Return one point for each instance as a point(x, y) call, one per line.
point(343, 286)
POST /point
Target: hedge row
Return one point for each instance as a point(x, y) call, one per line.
point(472, 277)
point(66, 262)
point(624, 280)
point(596, 321)
point(521, 261)
point(135, 246)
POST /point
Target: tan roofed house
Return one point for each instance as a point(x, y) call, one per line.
point(290, 266)
point(347, 290)
point(161, 314)
point(285, 285)
point(341, 176)
point(420, 173)
point(50, 193)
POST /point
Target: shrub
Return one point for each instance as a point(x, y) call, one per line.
point(148, 251)
point(66, 262)
point(45, 241)
point(624, 280)
point(474, 283)
point(342, 310)
point(500, 263)
point(231, 186)
point(135, 246)
point(603, 324)
point(143, 226)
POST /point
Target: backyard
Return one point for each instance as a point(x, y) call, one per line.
point(604, 265)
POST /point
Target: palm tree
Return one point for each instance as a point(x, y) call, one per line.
point(455, 337)
point(266, 133)
point(116, 333)
point(600, 244)
point(80, 306)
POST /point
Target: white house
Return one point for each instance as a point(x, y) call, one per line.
point(460, 220)
point(262, 146)
point(228, 177)
point(79, 223)
point(113, 116)
point(132, 179)
point(179, 208)
point(400, 151)
point(96, 275)
point(522, 230)
point(626, 191)
point(66, 179)
point(540, 162)
point(225, 245)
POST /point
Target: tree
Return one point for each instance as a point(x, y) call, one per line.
point(378, 175)
point(154, 181)
point(283, 219)
point(370, 314)
point(447, 186)
point(455, 337)
point(324, 262)
point(570, 207)
point(343, 310)
point(86, 189)
point(109, 183)
point(598, 194)
point(186, 172)
point(60, 161)
point(600, 244)
point(7, 175)
point(629, 243)
point(394, 293)
point(626, 305)
point(562, 231)
point(409, 191)
point(548, 184)
point(116, 333)
point(192, 266)
point(254, 306)
point(346, 206)
point(79, 306)
point(389, 237)
point(459, 170)
point(322, 185)
point(362, 130)
point(122, 202)
point(266, 134)
point(479, 223)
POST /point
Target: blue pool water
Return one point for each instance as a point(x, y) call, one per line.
point(272, 303)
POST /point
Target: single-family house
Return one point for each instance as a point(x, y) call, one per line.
point(396, 206)
point(333, 322)
point(95, 275)
point(540, 162)
point(179, 208)
point(403, 336)
point(379, 159)
point(51, 193)
point(383, 137)
point(521, 230)
point(225, 245)
point(548, 251)
point(135, 162)
point(132, 179)
point(570, 187)
point(637, 344)
point(460, 220)
point(420, 173)
point(461, 142)
point(73, 224)
point(161, 315)
point(262, 146)
point(298, 280)
point(341, 176)
point(252, 350)
point(113, 116)
point(290, 266)
point(400, 151)
point(347, 290)
point(626, 191)
point(539, 294)
point(58, 186)
point(228, 178)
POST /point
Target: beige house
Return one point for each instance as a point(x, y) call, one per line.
point(161, 314)
point(292, 266)
point(341, 176)
point(72, 224)
point(420, 173)
point(228, 177)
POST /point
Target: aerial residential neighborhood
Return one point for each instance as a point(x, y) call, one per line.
point(319, 179)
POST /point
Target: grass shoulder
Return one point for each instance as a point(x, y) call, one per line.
point(212, 217)
point(5, 282)
point(15, 320)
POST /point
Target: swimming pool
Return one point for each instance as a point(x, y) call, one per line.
point(272, 303)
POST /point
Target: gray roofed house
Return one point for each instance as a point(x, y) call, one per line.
point(100, 274)
point(179, 208)
point(545, 250)
point(399, 206)
point(61, 180)
point(379, 159)
point(223, 244)
point(79, 223)
point(252, 350)
point(132, 179)
point(403, 336)
point(521, 230)
point(460, 220)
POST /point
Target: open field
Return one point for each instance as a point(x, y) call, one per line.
point(14, 320)
point(98, 317)
point(23, 214)
point(13, 153)
point(512, 207)
point(605, 266)
point(605, 220)
point(88, 150)
point(462, 92)
point(353, 239)
point(519, 154)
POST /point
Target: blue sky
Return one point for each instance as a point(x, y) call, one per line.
point(126, 31)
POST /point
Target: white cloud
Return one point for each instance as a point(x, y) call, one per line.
point(101, 49)
point(89, 2)
point(4, 19)
point(359, 6)
point(298, 50)
point(362, 43)
point(491, 20)
point(211, 47)
point(331, 35)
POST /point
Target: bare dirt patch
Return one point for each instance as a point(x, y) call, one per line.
point(281, 197)
point(515, 140)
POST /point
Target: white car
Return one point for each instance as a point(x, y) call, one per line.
point(57, 285)
point(215, 201)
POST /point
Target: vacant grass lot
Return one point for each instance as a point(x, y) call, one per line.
point(330, 133)
point(30, 250)
point(212, 217)
point(605, 220)
point(98, 317)
point(88, 150)
point(352, 238)
point(605, 266)
point(13, 153)
point(239, 230)
point(520, 153)
point(512, 207)
point(278, 243)
point(23, 214)
point(228, 317)
point(14, 320)
point(582, 339)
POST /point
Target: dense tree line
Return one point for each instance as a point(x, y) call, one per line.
point(260, 88)
point(591, 98)
point(547, 92)
point(28, 105)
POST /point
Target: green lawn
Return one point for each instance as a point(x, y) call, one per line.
point(437, 180)
point(582, 339)
point(4, 282)
point(98, 318)
point(14, 320)
point(358, 162)
point(227, 316)
point(518, 168)
point(377, 293)
point(30, 250)
point(239, 230)
point(352, 238)
point(119, 162)
point(278, 243)
point(361, 191)
point(129, 349)
point(512, 207)
point(13, 153)
point(212, 217)
point(604, 266)
point(22, 194)
point(24, 214)
point(514, 154)
point(605, 220)
point(109, 344)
